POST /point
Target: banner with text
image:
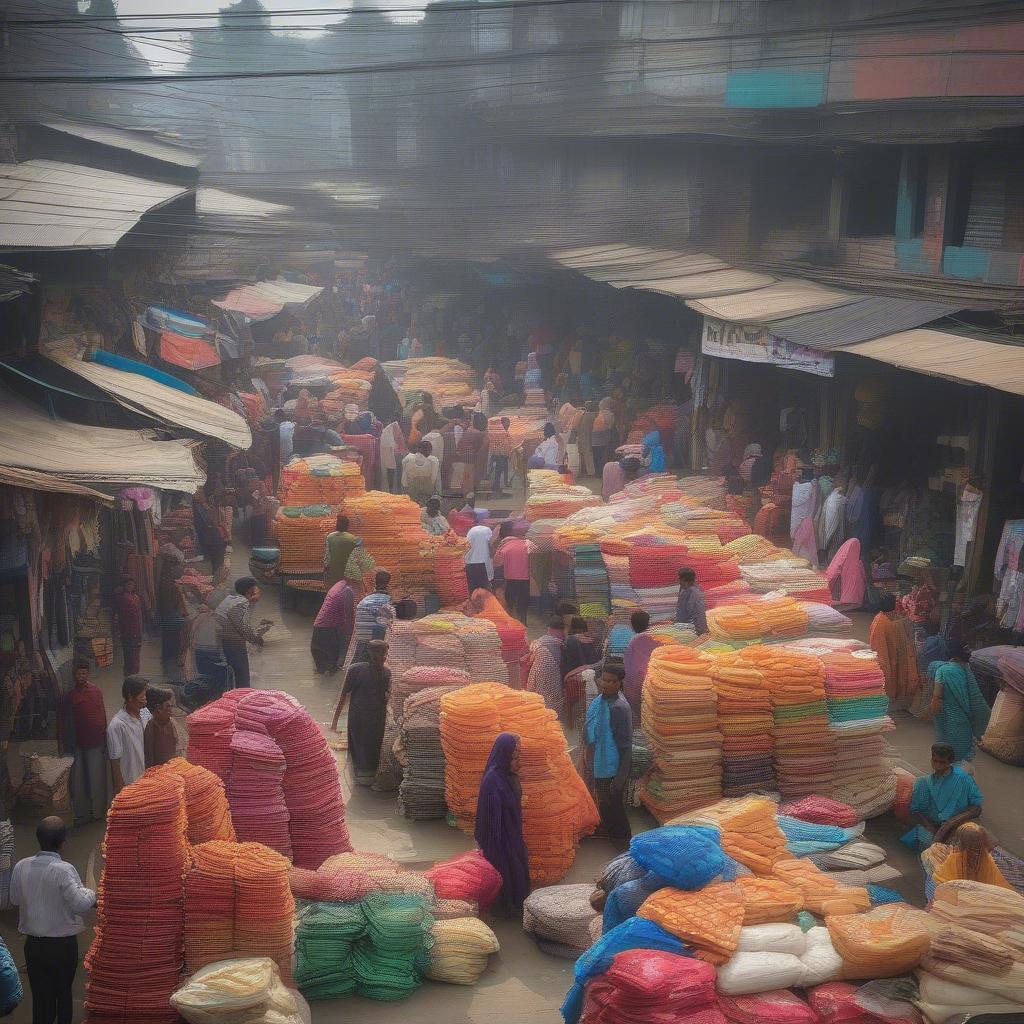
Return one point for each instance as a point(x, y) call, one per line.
point(754, 344)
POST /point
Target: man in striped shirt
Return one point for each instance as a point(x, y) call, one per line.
point(373, 615)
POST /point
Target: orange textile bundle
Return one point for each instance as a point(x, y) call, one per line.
point(770, 618)
point(301, 539)
point(822, 894)
point(320, 480)
point(885, 942)
point(558, 809)
point(750, 832)
point(766, 900)
point(680, 718)
point(139, 903)
point(206, 804)
point(745, 721)
point(708, 919)
point(238, 903)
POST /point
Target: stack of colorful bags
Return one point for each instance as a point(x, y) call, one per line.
point(309, 786)
point(301, 532)
point(558, 809)
point(238, 903)
point(745, 721)
point(592, 587)
point(139, 910)
point(460, 950)
point(680, 719)
point(421, 793)
point(320, 480)
point(804, 746)
point(448, 639)
point(858, 716)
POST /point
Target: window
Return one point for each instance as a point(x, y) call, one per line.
point(872, 183)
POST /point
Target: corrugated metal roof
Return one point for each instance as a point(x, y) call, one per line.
point(162, 403)
point(717, 282)
point(870, 316)
point(788, 297)
point(45, 204)
point(29, 439)
point(140, 142)
point(213, 202)
point(956, 356)
point(33, 481)
point(266, 299)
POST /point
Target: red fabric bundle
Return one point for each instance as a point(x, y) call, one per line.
point(656, 565)
point(191, 353)
point(645, 986)
point(821, 810)
point(134, 962)
point(777, 1007)
point(468, 876)
point(839, 1002)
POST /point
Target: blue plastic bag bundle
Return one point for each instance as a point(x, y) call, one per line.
point(804, 837)
point(621, 869)
point(10, 983)
point(879, 894)
point(636, 933)
point(624, 900)
point(689, 856)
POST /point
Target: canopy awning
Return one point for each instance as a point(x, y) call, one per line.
point(33, 481)
point(29, 439)
point(956, 356)
point(267, 298)
point(785, 298)
point(162, 403)
point(870, 316)
point(45, 204)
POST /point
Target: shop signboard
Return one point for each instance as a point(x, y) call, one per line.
point(755, 344)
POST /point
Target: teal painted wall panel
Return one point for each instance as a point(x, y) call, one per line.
point(966, 262)
point(764, 88)
point(910, 256)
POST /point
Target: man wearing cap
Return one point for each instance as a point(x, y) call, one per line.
point(368, 684)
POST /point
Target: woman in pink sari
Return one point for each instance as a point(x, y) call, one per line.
point(847, 570)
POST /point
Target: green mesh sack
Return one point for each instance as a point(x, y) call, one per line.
point(324, 938)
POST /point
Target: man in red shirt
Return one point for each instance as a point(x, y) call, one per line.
point(128, 606)
point(513, 555)
point(84, 734)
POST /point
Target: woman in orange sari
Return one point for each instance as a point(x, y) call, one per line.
point(483, 604)
point(890, 638)
point(969, 858)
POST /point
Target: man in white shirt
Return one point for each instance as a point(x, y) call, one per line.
point(125, 734)
point(50, 899)
point(479, 559)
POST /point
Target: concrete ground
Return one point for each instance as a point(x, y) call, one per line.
point(522, 985)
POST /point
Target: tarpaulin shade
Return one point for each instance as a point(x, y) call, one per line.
point(29, 439)
point(191, 353)
point(163, 403)
point(974, 360)
point(775, 301)
point(266, 299)
point(32, 481)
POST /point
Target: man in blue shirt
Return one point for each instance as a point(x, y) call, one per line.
point(943, 801)
point(608, 734)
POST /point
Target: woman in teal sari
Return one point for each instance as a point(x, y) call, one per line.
point(958, 710)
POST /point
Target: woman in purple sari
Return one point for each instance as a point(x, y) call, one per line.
point(499, 822)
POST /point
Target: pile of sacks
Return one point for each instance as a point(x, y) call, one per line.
point(280, 774)
point(558, 810)
point(679, 715)
point(239, 991)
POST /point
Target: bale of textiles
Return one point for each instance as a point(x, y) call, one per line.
point(697, 520)
point(390, 958)
point(856, 854)
point(708, 920)
point(469, 644)
point(467, 876)
point(448, 381)
point(750, 834)
point(777, 1006)
point(238, 991)
point(450, 574)
point(804, 747)
point(745, 721)
point(821, 810)
point(237, 903)
point(804, 837)
point(882, 943)
point(424, 677)
point(384, 874)
point(1004, 736)
point(319, 480)
point(943, 1001)
point(655, 987)
point(768, 900)
point(325, 936)
point(686, 856)
point(772, 938)
point(771, 617)
point(679, 715)
point(592, 586)
point(820, 961)
point(559, 918)
point(255, 792)
point(140, 928)
point(558, 809)
point(460, 950)
point(310, 784)
point(791, 576)
point(625, 900)
point(878, 875)
point(822, 894)
point(877, 1002)
point(421, 791)
point(989, 909)
point(301, 537)
point(558, 503)
point(1008, 984)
